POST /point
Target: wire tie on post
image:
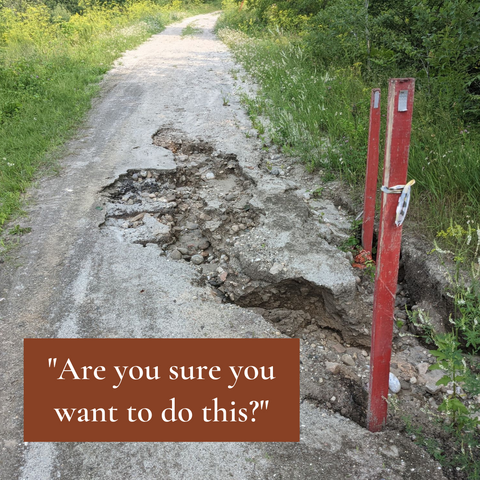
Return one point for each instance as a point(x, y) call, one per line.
point(403, 201)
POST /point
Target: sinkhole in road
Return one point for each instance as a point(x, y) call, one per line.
point(196, 214)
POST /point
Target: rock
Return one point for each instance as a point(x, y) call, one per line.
point(422, 368)
point(138, 217)
point(209, 175)
point(275, 171)
point(135, 176)
point(157, 229)
point(332, 367)
point(431, 378)
point(339, 348)
point(223, 276)
point(176, 255)
point(230, 197)
point(276, 269)
point(348, 360)
point(405, 385)
point(393, 383)
point(204, 244)
point(143, 173)
point(183, 251)
point(235, 228)
point(197, 259)
point(413, 380)
point(191, 226)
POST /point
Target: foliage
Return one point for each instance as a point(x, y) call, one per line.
point(50, 64)
point(316, 81)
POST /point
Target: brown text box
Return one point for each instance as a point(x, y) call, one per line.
point(118, 390)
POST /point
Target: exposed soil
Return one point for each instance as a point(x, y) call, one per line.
point(199, 213)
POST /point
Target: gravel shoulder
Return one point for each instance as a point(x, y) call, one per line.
point(72, 277)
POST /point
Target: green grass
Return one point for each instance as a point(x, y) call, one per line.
point(321, 115)
point(49, 72)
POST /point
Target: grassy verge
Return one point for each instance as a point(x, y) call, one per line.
point(320, 113)
point(50, 68)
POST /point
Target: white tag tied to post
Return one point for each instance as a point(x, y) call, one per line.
point(403, 201)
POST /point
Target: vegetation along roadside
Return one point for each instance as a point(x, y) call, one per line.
point(315, 64)
point(52, 57)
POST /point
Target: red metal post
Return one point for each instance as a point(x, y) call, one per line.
point(372, 171)
point(397, 143)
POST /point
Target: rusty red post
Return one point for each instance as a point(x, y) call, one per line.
point(372, 171)
point(397, 143)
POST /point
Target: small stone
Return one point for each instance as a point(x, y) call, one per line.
point(394, 383)
point(432, 386)
point(333, 399)
point(413, 380)
point(223, 276)
point(405, 385)
point(332, 367)
point(339, 348)
point(230, 197)
point(197, 259)
point(307, 196)
point(138, 217)
point(275, 171)
point(276, 269)
point(191, 226)
point(143, 173)
point(364, 353)
point(204, 244)
point(235, 228)
point(183, 251)
point(176, 255)
point(423, 368)
point(135, 176)
point(348, 360)
point(152, 195)
point(209, 175)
